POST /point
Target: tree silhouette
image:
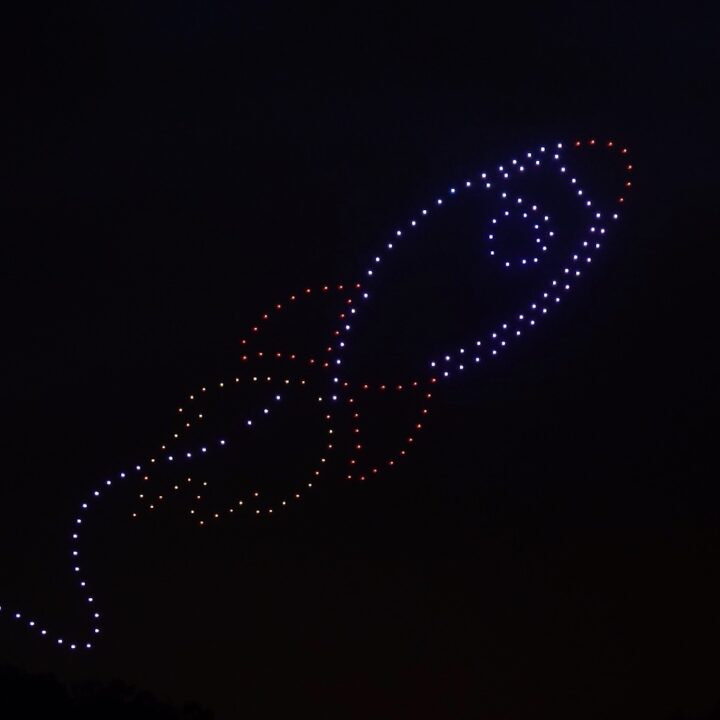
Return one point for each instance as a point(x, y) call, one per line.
point(25, 695)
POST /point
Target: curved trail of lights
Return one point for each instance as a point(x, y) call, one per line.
point(284, 371)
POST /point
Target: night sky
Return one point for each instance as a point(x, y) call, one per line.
point(551, 546)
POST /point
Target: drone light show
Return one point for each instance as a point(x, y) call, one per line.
point(320, 364)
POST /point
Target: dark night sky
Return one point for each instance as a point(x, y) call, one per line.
point(169, 170)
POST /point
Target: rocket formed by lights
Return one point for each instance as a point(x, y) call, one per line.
point(561, 200)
